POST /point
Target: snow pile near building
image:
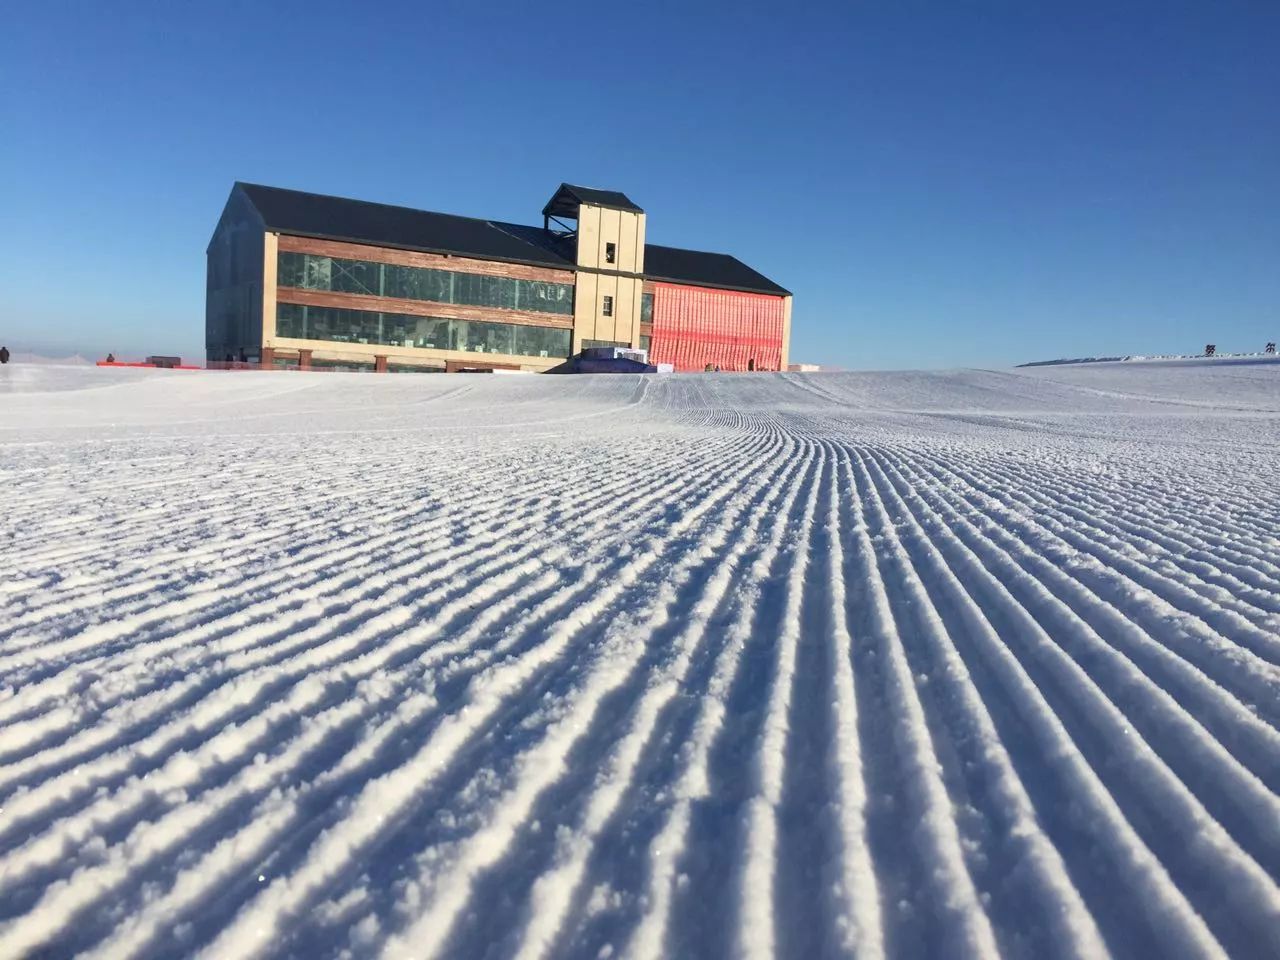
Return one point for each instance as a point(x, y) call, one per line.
point(933, 664)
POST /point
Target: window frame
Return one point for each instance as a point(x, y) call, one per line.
point(606, 305)
point(353, 325)
point(307, 271)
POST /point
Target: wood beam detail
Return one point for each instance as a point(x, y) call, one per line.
point(413, 258)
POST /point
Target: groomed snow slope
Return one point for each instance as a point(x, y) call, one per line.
point(876, 664)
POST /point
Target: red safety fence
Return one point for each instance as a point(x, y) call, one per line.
point(695, 326)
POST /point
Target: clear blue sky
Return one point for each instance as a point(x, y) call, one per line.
point(940, 184)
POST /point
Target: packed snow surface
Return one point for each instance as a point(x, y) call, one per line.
point(935, 664)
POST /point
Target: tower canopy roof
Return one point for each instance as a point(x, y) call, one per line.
point(565, 201)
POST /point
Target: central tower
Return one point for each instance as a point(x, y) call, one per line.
point(607, 232)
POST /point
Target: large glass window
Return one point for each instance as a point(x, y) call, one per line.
point(541, 342)
point(412, 368)
point(356, 366)
point(355, 276)
point(402, 330)
point(291, 270)
point(646, 308)
point(421, 283)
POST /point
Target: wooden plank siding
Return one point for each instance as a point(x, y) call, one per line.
point(414, 258)
point(420, 308)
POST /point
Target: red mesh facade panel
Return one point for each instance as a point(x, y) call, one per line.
point(694, 326)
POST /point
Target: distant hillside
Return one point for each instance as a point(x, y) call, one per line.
point(36, 359)
point(1220, 355)
point(1058, 363)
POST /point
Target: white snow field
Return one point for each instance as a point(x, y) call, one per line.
point(909, 665)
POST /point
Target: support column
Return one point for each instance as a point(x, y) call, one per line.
point(270, 248)
point(304, 359)
point(268, 358)
point(380, 364)
point(786, 334)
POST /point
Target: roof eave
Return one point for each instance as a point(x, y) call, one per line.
point(236, 187)
point(776, 292)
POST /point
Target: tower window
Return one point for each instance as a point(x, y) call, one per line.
point(610, 252)
point(607, 307)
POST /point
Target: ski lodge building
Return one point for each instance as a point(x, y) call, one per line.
point(305, 280)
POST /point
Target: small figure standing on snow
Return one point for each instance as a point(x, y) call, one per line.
point(4, 354)
point(111, 358)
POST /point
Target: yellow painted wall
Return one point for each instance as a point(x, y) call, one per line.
point(598, 226)
point(609, 233)
point(605, 326)
point(270, 254)
point(626, 309)
point(584, 308)
point(589, 245)
point(589, 321)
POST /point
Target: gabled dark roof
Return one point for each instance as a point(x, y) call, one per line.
point(705, 270)
point(379, 224)
point(564, 202)
point(336, 218)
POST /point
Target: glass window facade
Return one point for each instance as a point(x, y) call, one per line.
point(646, 308)
point(646, 343)
point(420, 283)
point(412, 368)
point(351, 366)
point(402, 330)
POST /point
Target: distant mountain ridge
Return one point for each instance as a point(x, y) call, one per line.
point(1152, 356)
